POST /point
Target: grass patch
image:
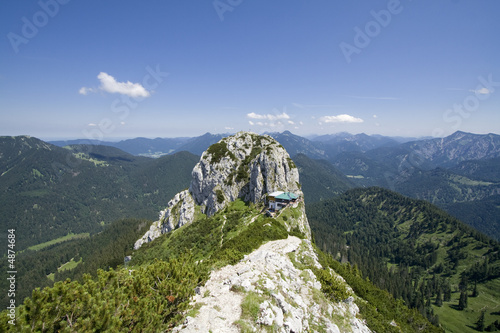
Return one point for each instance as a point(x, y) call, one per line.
point(69, 265)
point(454, 320)
point(85, 157)
point(68, 237)
point(195, 310)
point(250, 307)
point(243, 326)
point(237, 289)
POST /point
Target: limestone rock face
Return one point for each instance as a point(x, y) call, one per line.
point(179, 211)
point(245, 165)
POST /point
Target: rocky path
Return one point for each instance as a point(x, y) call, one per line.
point(289, 296)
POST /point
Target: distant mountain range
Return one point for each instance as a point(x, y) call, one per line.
point(462, 168)
point(325, 146)
point(153, 147)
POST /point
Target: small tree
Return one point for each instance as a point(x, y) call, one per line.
point(475, 293)
point(447, 291)
point(480, 322)
point(462, 302)
point(439, 298)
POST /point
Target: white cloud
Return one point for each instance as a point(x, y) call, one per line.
point(482, 91)
point(341, 118)
point(275, 120)
point(110, 85)
point(270, 117)
point(85, 91)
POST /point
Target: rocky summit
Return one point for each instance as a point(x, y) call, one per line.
point(245, 165)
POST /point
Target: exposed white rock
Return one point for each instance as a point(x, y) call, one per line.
point(288, 296)
point(179, 211)
point(245, 165)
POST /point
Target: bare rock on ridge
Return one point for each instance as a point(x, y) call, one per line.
point(179, 211)
point(289, 298)
point(245, 165)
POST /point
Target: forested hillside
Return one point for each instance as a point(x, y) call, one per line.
point(65, 205)
point(73, 258)
point(47, 192)
point(320, 180)
point(431, 260)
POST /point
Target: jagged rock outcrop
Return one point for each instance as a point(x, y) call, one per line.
point(245, 165)
point(179, 211)
point(289, 298)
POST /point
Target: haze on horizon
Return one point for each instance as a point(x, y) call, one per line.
point(119, 70)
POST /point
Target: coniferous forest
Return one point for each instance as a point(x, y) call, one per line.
point(420, 254)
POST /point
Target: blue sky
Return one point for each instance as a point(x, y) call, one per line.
point(121, 69)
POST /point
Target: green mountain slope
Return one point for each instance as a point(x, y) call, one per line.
point(320, 180)
point(485, 170)
point(467, 198)
point(440, 186)
point(72, 258)
point(483, 215)
point(156, 293)
point(413, 249)
point(47, 192)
